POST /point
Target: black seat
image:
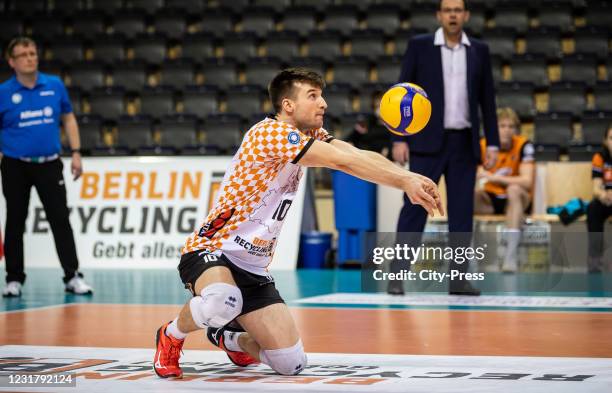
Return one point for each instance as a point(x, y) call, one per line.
point(512, 17)
point(557, 15)
point(368, 43)
point(244, 100)
point(361, 5)
point(546, 41)
point(477, 22)
point(66, 50)
point(148, 6)
point(90, 131)
point(87, 75)
point(11, 27)
point(223, 132)
point(200, 100)
point(177, 73)
point(239, 46)
point(319, 5)
point(26, 7)
point(326, 45)
point(134, 132)
point(67, 6)
point(76, 96)
point(553, 129)
point(260, 71)
point(217, 22)
point(220, 72)
point(277, 5)
point(107, 102)
point(172, 24)
point(530, 69)
point(353, 71)
point(179, 131)
point(258, 20)
point(129, 23)
point(108, 48)
point(314, 63)
point(603, 96)
point(338, 99)
point(45, 25)
point(108, 6)
point(130, 76)
point(599, 15)
point(341, 18)
point(88, 25)
point(300, 19)
point(187, 6)
point(388, 69)
point(518, 96)
point(53, 67)
point(283, 45)
point(197, 47)
point(385, 17)
point(402, 37)
point(547, 153)
point(595, 126)
point(496, 69)
point(579, 68)
point(423, 18)
point(581, 152)
point(501, 41)
point(592, 40)
point(157, 102)
point(567, 97)
point(151, 49)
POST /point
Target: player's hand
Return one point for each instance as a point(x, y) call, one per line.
point(76, 166)
point(400, 152)
point(423, 191)
point(490, 157)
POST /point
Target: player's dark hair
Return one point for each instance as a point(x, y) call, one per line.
point(465, 5)
point(25, 41)
point(284, 82)
point(605, 150)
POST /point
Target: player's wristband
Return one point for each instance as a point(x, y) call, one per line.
point(72, 151)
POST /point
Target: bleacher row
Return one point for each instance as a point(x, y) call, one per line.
point(135, 66)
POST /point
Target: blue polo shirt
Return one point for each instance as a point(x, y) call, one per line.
point(30, 118)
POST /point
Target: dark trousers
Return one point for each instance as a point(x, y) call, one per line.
point(457, 162)
point(597, 214)
point(18, 177)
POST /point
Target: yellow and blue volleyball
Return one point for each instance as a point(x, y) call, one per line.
point(405, 109)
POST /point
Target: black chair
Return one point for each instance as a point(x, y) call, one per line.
point(592, 40)
point(151, 49)
point(67, 6)
point(223, 133)
point(314, 63)
point(107, 102)
point(579, 68)
point(547, 153)
point(260, 71)
point(582, 152)
point(239, 46)
point(595, 126)
point(147, 6)
point(353, 71)
point(187, 6)
point(90, 131)
point(530, 69)
point(87, 75)
point(109, 48)
point(603, 96)
point(368, 43)
point(157, 102)
point(567, 97)
point(557, 15)
point(388, 69)
point(501, 41)
point(518, 96)
point(66, 50)
point(130, 76)
point(325, 45)
point(46, 25)
point(423, 18)
point(217, 22)
point(402, 37)
point(258, 21)
point(129, 23)
point(197, 47)
point(27, 7)
point(546, 41)
point(11, 27)
point(300, 19)
point(385, 17)
point(338, 99)
point(172, 24)
point(553, 129)
point(134, 132)
point(341, 18)
point(179, 131)
point(177, 73)
point(599, 15)
point(283, 45)
point(512, 17)
point(361, 5)
point(244, 100)
point(200, 100)
point(319, 5)
point(277, 5)
point(76, 97)
point(107, 6)
point(477, 22)
point(220, 72)
point(88, 25)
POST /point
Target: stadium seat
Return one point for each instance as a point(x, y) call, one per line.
point(594, 127)
point(68, 6)
point(178, 131)
point(283, 45)
point(148, 6)
point(177, 73)
point(107, 6)
point(518, 96)
point(402, 37)
point(217, 22)
point(530, 68)
point(42, 25)
point(260, 71)
point(6, 72)
point(545, 41)
point(385, 17)
point(547, 153)
point(389, 69)
point(368, 43)
point(314, 63)
point(581, 152)
point(244, 100)
point(107, 102)
point(553, 129)
point(187, 6)
point(424, 18)
point(134, 132)
point(326, 45)
point(66, 50)
point(341, 18)
point(200, 100)
point(197, 47)
point(567, 97)
point(338, 98)
point(223, 132)
point(90, 128)
point(88, 25)
point(87, 76)
point(108, 48)
point(361, 5)
point(277, 5)
point(171, 23)
point(76, 96)
point(501, 41)
point(512, 17)
point(220, 72)
point(599, 15)
point(130, 76)
point(320, 5)
point(603, 96)
point(239, 46)
point(53, 67)
point(353, 71)
point(300, 19)
point(557, 15)
point(27, 7)
point(496, 69)
point(592, 40)
point(237, 6)
point(157, 102)
point(11, 27)
point(477, 21)
point(579, 68)
point(258, 21)
point(129, 23)
point(151, 49)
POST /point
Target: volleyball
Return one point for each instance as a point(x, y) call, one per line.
point(405, 109)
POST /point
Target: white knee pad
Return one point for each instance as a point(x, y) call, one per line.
point(217, 305)
point(285, 361)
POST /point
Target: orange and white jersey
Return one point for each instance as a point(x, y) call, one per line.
point(255, 195)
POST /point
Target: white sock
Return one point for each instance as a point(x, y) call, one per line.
point(174, 331)
point(513, 238)
point(230, 339)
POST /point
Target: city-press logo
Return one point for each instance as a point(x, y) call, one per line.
point(293, 138)
point(16, 98)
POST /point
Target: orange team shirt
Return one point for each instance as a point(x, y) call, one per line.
point(255, 195)
point(602, 168)
point(508, 162)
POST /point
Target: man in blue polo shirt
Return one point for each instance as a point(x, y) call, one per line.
point(32, 104)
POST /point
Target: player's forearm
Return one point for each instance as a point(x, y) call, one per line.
point(383, 162)
point(72, 131)
point(523, 181)
point(373, 170)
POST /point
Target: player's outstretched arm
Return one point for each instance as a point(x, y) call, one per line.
point(420, 190)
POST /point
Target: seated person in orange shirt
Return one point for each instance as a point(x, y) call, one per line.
point(506, 188)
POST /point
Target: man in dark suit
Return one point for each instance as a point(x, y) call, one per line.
point(455, 71)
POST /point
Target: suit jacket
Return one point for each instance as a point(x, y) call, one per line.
point(422, 64)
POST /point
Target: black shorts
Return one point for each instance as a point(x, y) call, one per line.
point(257, 291)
